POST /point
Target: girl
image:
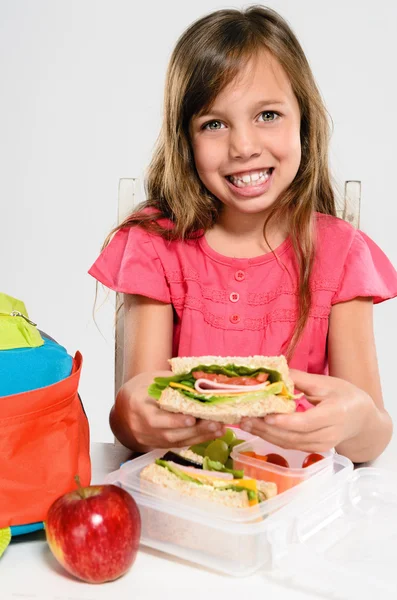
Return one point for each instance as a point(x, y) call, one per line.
point(237, 250)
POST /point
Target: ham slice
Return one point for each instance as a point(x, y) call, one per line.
point(205, 386)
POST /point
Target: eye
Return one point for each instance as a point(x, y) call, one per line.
point(268, 116)
point(212, 125)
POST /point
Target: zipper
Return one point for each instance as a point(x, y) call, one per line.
point(16, 313)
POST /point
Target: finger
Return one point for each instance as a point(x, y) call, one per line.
point(279, 438)
point(191, 441)
point(202, 432)
point(159, 418)
point(167, 438)
point(316, 418)
point(262, 427)
point(309, 383)
point(302, 445)
point(316, 441)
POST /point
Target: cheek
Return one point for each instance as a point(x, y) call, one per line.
point(290, 145)
point(206, 156)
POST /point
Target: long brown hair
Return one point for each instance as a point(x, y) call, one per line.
point(207, 57)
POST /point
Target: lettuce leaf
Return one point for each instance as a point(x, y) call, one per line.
point(214, 465)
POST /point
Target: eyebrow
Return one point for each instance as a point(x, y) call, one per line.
point(261, 103)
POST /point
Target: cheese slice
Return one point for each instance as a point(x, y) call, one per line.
point(249, 484)
point(284, 391)
point(181, 386)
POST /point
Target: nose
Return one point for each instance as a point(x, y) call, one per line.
point(244, 143)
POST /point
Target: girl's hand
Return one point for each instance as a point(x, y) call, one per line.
point(341, 413)
point(141, 425)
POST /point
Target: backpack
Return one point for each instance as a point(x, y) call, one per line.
point(44, 434)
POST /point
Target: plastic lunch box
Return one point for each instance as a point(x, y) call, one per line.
point(320, 535)
point(231, 540)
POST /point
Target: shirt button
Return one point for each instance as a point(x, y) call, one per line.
point(234, 297)
point(239, 275)
point(235, 318)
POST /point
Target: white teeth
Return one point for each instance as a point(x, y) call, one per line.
point(256, 177)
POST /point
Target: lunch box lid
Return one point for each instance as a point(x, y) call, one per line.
point(342, 541)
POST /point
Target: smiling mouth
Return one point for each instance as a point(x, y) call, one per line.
point(250, 179)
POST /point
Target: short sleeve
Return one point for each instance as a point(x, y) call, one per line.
point(367, 272)
point(130, 265)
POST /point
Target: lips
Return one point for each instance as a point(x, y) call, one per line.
point(260, 182)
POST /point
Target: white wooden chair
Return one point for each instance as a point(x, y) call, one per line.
point(350, 212)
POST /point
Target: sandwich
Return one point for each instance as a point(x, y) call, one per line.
point(209, 481)
point(225, 389)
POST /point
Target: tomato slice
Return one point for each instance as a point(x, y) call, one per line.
point(311, 459)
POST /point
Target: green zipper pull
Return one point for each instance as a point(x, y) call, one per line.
point(20, 332)
point(16, 313)
point(5, 538)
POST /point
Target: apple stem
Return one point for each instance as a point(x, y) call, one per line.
point(80, 488)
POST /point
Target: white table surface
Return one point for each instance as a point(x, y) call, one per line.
point(29, 571)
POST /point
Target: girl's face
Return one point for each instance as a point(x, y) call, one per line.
point(247, 148)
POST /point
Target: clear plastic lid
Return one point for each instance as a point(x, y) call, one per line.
point(343, 545)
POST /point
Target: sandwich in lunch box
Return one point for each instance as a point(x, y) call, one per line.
point(226, 389)
point(208, 481)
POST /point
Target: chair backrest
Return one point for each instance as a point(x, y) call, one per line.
point(127, 191)
point(351, 203)
point(126, 203)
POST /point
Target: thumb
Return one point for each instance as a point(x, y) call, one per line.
point(310, 384)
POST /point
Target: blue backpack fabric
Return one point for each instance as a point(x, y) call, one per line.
point(25, 369)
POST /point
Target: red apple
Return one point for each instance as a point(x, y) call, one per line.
point(94, 532)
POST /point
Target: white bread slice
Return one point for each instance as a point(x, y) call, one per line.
point(161, 476)
point(181, 364)
point(268, 488)
point(228, 412)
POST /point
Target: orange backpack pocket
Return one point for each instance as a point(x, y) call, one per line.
point(44, 443)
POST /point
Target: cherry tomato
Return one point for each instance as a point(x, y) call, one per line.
point(311, 459)
point(276, 459)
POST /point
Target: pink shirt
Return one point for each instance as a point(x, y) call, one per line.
point(239, 307)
